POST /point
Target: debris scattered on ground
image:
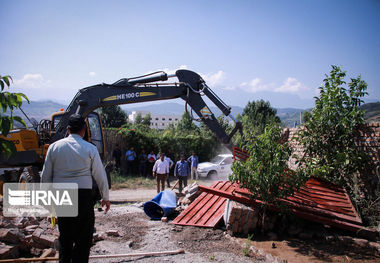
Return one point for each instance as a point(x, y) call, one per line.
point(188, 195)
point(113, 232)
point(26, 236)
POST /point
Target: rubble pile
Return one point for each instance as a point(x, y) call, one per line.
point(26, 236)
point(188, 195)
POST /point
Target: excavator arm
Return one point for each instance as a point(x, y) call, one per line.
point(191, 87)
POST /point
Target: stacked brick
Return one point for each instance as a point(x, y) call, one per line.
point(368, 140)
point(239, 218)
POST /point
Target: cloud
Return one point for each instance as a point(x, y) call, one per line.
point(92, 74)
point(229, 88)
point(167, 70)
point(215, 78)
point(211, 79)
point(32, 81)
point(255, 85)
point(291, 85)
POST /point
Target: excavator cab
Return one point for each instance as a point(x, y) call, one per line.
point(94, 133)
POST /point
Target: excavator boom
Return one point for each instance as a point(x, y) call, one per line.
point(190, 88)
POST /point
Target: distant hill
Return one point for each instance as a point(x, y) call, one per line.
point(43, 109)
point(372, 111)
point(290, 116)
point(287, 115)
point(39, 109)
point(161, 108)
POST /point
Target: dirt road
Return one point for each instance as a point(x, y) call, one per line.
point(140, 234)
point(140, 195)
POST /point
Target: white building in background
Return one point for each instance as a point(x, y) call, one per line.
point(157, 121)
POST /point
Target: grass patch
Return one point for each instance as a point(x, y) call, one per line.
point(247, 246)
point(131, 182)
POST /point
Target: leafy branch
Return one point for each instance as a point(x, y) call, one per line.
point(9, 101)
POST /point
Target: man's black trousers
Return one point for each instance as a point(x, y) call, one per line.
point(75, 233)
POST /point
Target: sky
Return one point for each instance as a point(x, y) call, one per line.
point(278, 51)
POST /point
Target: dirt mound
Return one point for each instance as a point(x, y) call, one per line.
point(204, 240)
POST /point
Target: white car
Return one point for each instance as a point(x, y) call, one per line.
point(218, 168)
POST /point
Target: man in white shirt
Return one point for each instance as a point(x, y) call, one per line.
point(74, 160)
point(161, 172)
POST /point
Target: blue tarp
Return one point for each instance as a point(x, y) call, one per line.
point(161, 205)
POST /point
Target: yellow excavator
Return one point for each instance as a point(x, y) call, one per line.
point(32, 144)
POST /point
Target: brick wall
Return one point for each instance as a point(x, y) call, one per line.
point(368, 140)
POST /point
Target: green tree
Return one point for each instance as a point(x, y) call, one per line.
point(11, 101)
point(265, 173)
point(186, 124)
point(257, 115)
point(113, 116)
point(306, 116)
point(146, 120)
point(329, 134)
point(138, 119)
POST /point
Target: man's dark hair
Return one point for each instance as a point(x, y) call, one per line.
point(76, 123)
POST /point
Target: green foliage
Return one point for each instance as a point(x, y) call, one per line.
point(265, 173)
point(9, 101)
point(257, 115)
point(146, 120)
point(138, 119)
point(178, 139)
point(113, 116)
point(186, 123)
point(329, 135)
point(306, 115)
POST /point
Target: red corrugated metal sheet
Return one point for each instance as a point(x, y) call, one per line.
point(239, 154)
point(317, 201)
point(207, 210)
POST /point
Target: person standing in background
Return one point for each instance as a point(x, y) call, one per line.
point(151, 160)
point(143, 158)
point(193, 160)
point(182, 171)
point(130, 156)
point(116, 155)
point(161, 171)
point(170, 156)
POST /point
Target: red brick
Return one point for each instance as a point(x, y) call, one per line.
point(48, 240)
point(12, 235)
point(8, 251)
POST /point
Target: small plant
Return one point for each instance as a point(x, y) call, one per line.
point(212, 258)
point(247, 245)
point(265, 173)
point(329, 135)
